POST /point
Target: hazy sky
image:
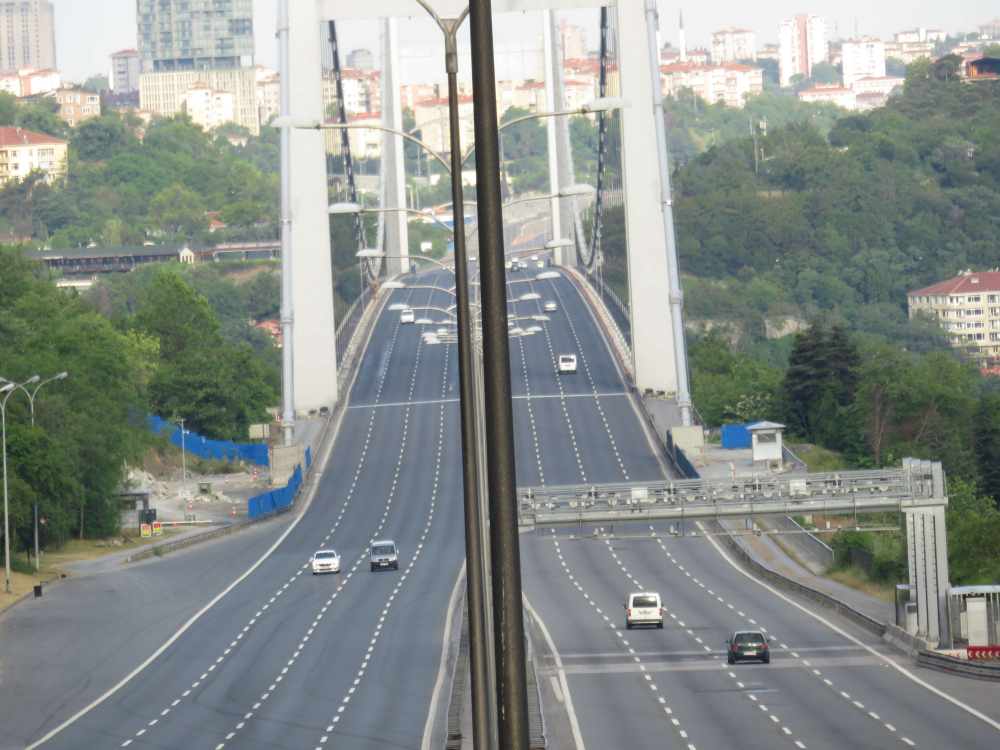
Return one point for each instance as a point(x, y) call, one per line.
point(87, 31)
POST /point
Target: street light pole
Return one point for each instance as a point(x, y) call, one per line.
point(183, 454)
point(505, 555)
point(475, 576)
point(8, 389)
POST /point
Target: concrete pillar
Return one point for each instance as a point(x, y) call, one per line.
point(652, 340)
point(397, 238)
point(551, 105)
point(314, 353)
point(927, 554)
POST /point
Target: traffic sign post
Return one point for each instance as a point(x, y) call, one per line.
point(145, 531)
point(157, 528)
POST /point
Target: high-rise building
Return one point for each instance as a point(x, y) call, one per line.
point(27, 35)
point(732, 45)
point(184, 44)
point(361, 59)
point(863, 58)
point(125, 71)
point(803, 41)
point(574, 41)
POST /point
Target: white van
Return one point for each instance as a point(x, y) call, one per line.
point(567, 363)
point(643, 608)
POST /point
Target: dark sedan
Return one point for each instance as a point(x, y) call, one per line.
point(749, 645)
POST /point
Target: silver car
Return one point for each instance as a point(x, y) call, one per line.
point(384, 555)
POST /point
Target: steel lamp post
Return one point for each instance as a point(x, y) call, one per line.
point(6, 391)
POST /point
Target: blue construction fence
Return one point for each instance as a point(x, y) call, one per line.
point(736, 435)
point(277, 499)
point(681, 459)
point(219, 450)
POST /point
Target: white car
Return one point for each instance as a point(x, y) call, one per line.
point(534, 257)
point(325, 561)
point(406, 316)
point(567, 363)
point(551, 306)
point(643, 609)
point(508, 265)
point(540, 264)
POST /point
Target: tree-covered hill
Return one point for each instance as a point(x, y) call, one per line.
point(841, 227)
point(120, 190)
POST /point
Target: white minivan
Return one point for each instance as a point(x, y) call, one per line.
point(643, 608)
point(567, 363)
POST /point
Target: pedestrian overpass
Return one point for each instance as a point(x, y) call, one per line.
point(915, 493)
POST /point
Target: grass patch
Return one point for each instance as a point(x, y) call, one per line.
point(855, 578)
point(819, 459)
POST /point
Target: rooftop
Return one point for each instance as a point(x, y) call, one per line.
point(13, 136)
point(964, 284)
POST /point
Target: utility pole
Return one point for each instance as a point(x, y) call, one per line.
point(505, 553)
point(285, 134)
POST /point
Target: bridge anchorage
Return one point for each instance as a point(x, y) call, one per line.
point(916, 493)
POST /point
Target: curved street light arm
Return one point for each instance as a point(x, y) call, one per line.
point(432, 152)
point(409, 211)
point(516, 120)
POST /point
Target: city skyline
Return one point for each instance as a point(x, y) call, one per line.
point(89, 31)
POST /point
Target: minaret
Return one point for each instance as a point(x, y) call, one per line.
point(683, 42)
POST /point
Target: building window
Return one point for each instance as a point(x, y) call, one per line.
point(69, 111)
point(975, 298)
point(86, 110)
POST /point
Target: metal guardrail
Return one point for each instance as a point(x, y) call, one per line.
point(692, 499)
point(962, 667)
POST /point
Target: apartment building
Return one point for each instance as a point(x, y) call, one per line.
point(125, 71)
point(184, 43)
point(27, 35)
point(732, 45)
point(431, 116)
point(920, 35)
point(77, 105)
point(909, 51)
point(208, 107)
point(364, 142)
point(22, 151)
point(574, 41)
point(30, 82)
point(269, 97)
point(863, 58)
point(803, 41)
point(361, 60)
point(162, 93)
point(877, 85)
point(831, 93)
point(968, 307)
point(729, 83)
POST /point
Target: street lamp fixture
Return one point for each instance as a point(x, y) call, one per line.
point(561, 242)
point(399, 307)
point(548, 275)
point(529, 296)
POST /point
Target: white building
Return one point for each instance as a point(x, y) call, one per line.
point(208, 107)
point(30, 82)
point(833, 93)
point(729, 83)
point(920, 35)
point(161, 93)
point(431, 116)
point(863, 58)
point(125, 70)
point(877, 85)
point(803, 41)
point(732, 44)
point(909, 51)
point(574, 41)
point(269, 98)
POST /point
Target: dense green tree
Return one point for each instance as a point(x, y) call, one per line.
point(177, 209)
point(240, 214)
point(101, 138)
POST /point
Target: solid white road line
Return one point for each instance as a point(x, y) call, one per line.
point(436, 695)
point(574, 725)
point(187, 625)
point(902, 670)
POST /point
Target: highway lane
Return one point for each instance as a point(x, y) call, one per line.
point(672, 687)
point(286, 655)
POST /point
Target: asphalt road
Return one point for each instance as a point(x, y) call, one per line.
point(291, 660)
point(672, 687)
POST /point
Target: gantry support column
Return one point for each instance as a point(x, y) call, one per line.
point(649, 288)
point(314, 352)
point(927, 555)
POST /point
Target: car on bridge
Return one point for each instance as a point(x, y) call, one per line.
point(540, 264)
point(567, 363)
point(644, 608)
point(748, 645)
point(551, 306)
point(384, 555)
point(406, 316)
point(325, 561)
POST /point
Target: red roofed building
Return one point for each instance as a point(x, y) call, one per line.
point(22, 152)
point(968, 307)
point(729, 83)
point(832, 93)
point(431, 116)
